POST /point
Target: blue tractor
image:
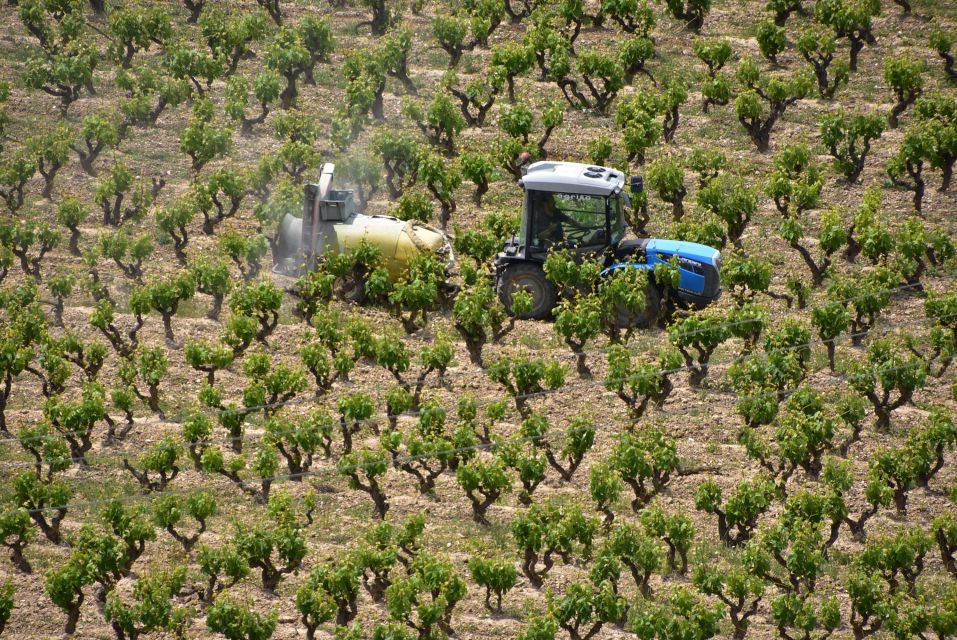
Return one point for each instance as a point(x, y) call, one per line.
point(581, 208)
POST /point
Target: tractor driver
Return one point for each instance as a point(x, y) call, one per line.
point(549, 222)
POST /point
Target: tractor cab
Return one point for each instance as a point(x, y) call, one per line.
point(571, 206)
point(581, 209)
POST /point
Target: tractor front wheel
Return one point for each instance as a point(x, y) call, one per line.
point(528, 277)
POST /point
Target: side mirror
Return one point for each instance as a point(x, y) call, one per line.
point(637, 184)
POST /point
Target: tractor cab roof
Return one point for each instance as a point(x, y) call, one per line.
point(573, 177)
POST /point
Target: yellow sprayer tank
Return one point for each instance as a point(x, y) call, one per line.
point(398, 240)
point(331, 225)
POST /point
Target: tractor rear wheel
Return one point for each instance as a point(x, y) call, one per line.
point(647, 317)
point(526, 276)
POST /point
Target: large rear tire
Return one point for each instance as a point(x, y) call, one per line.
point(526, 276)
point(645, 318)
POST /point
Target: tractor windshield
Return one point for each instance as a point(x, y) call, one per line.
point(572, 220)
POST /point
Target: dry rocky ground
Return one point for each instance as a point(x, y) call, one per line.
point(703, 421)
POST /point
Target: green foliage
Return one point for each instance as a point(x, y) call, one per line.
point(30, 240)
point(426, 598)
point(480, 317)
point(771, 40)
point(148, 366)
point(697, 337)
point(905, 168)
point(832, 236)
point(764, 100)
point(676, 530)
point(368, 464)
point(888, 371)
point(550, 44)
point(165, 296)
point(128, 253)
point(152, 608)
point(793, 611)
point(7, 592)
point(271, 386)
point(246, 252)
point(523, 379)
point(441, 121)
point(584, 608)
point(112, 192)
point(238, 622)
point(818, 47)
point(738, 515)
point(602, 77)
point(16, 532)
point(796, 182)
point(496, 576)
point(266, 87)
point(160, 460)
point(135, 30)
point(903, 76)
point(739, 592)
point(943, 43)
point(260, 301)
point(450, 31)
point(666, 178)
point(645, 461)
point(287, 55)
point(707, 163)
point(74, 420)
point(682, 615)
point(275, 550)
point(728, 198)
point(690, 12)
point(511, 60)
point(548, 529)
point(605, 486)
point(716, 90)
point(851, 19)
point(915, 463)
point(202, 140)
point(441, 179)
point(745, 276)
point(217, 564)
point(170, 510)
point(64, 72)
point(479, 169)
point(198, 67)
point(231, 37)
point(329, 593)
point(483, 482)
point(51, 149)
point(149, 93)
point(15, 172)
point(399, 153)
point(576, 442)
point(848, 140)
